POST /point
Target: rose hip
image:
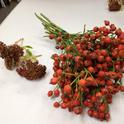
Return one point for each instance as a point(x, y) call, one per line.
point(56, 104)
point(50, 93)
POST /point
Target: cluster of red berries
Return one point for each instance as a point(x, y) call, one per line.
point(12, 56)
point(88, 73)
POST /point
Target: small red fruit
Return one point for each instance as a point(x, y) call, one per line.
point(56, 104)
point(100, 58)
point(78, 110)
point(76, 103)
point(93, 99)
point(101, 74)
point(50, 93)
point(107, 40)
point(122, 88)
point(102, 108)
point(90, 80)
point(63, 105)
point(95, 29)
point(51, 36)
point(87, 63)
point(112, 27)
point(59, 39)
point(108, 59)
point(67, 89)
point(98, 94)
point(91, 69)
point(90, 112)
point(56, 92)
point(59, 72)
point(107, 116)
point(101, 116)
point(82, 82)
point(103, 52)
point(93, 37)
point(54, 80)
point(106, 22)
point(95, 114)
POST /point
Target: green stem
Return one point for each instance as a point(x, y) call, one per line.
point(88, 73)
point(76, 78)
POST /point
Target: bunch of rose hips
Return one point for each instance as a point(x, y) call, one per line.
point(88, 73)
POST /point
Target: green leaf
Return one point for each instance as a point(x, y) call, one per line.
point(29, 47)
point(28, 52)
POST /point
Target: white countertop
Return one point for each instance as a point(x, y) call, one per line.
point(26, 102)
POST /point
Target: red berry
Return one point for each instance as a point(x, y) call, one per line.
point(95, 114)
point(51, 36)
point(120, 47)
point(122, 35)
point(98, 34)
point(90, 80)
point(102, 82)
point(63, 105)
point(106, 31)
point(101, 116)
point(93, 99)
point(59, 72)
point(108, 59)
point(106, 22)
point(67, 89)
point(93, 37)
point(91, 69)
point(100, 58)
point(109, 82)
point(76, 103)
point(54, 80)
point(78, 110)
point(56, 104)
point(109, 101)
point(85, 103)
point(90, 112)
point(77, 58)
point(82, 82)
point(101, 74)
point(93, 55)
point(104, 91)
point(118, 32)
point(102, 108)
point(107, 40)
point(87, 62)
point(85, 53)
point(103, 52)
point(121, 53)
point(107, 116)
point(86, 35)
point(95, 29)
point(112, 27)
point(56, 92)
point(59, 39)
point(57, 47)
point(122, 88)
point(98, 94)
point(50, 93)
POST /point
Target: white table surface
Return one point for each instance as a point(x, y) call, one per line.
point(26, 102)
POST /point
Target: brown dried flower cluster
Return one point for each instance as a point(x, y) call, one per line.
point(31, 70)
point(27, 68)
point(114, 5)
